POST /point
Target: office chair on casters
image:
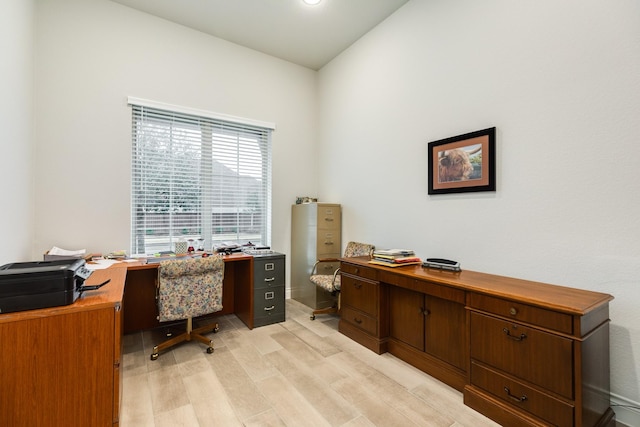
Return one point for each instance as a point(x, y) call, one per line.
point(331, 282)
point(186, 289)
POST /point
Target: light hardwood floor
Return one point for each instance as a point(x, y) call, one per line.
point(296, 373)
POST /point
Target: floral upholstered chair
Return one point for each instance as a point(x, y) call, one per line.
point(186, 289)
point(331, 282)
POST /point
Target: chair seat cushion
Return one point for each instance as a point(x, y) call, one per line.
point(325, 281)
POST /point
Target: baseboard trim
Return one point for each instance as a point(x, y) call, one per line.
point(627, 411)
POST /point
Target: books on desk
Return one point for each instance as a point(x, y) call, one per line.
point(395, 257)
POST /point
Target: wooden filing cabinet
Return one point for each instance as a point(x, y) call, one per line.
point(315, 234)
point(268, 289)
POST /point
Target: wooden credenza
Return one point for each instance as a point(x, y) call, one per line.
point(60, 366)
point(523, 353)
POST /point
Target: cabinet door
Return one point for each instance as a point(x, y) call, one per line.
point(406, 316)
point(445, 328)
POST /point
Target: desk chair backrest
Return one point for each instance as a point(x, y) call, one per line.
point(358, 249)
point(190, 287)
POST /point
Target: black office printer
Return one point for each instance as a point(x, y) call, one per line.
point(40, 284)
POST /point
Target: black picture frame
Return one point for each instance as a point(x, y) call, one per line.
point(463, 163)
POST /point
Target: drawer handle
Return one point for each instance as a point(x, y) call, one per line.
point(269, 308)
point(425, 311)
point(328, 243)
point(357, 285)
point(357, 270)
point(513, 337)
point(269, 279)
point(513, 311)
point(515, 398)
point(358, 321)
point(328, 219)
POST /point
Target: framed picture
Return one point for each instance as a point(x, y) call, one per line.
point(463, 163)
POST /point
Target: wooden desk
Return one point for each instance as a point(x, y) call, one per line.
point(523, 353)
point(60, 366)
point(139, 303)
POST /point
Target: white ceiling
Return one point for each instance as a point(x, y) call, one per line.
point(310, 36)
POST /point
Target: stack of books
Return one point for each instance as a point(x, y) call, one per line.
point(395, 257)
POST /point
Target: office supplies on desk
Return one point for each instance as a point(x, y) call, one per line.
point(41, 284)
point(441, 264)
point(395, 257)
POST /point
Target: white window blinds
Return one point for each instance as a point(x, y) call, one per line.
point(198, 177)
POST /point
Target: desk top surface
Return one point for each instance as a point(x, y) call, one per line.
point(567, 299)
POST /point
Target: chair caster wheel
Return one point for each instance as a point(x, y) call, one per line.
point(216, 329)
point(154, 356)
point(210, 350)
point(312, 317)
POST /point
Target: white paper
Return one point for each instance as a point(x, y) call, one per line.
point(99, 264)
point(64, 252)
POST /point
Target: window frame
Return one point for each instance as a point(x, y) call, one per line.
point(200, 146)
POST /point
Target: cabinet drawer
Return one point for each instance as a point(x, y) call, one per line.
point(361, 320)
point(522, 312)
point(269, 303)
point(268, 272)
point(360, 294)
point(264, 299)
point(527, 353)
point(329, 217)
point(520, 396)
point(328, 243)
point(357, 270)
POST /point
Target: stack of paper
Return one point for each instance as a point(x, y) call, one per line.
point(395, 257)
point(64, 252)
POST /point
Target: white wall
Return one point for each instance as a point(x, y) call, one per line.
point(91, 55)
point(16, 122)
point(561, 82)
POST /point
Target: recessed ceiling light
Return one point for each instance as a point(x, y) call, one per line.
point(311, 2)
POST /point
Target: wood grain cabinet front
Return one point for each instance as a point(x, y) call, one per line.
point(427, 327)
point(523, 353)
point(360, 307)
point(527, 365)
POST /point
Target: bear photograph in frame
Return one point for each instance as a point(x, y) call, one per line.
point(463, 163)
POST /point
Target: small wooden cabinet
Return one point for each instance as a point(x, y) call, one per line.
point(523, 353)
point(427, 326)
point(61, 365)
point(421, 323)
point(535, 365)
point(362, 310)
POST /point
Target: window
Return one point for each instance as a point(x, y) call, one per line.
point(198, 176)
